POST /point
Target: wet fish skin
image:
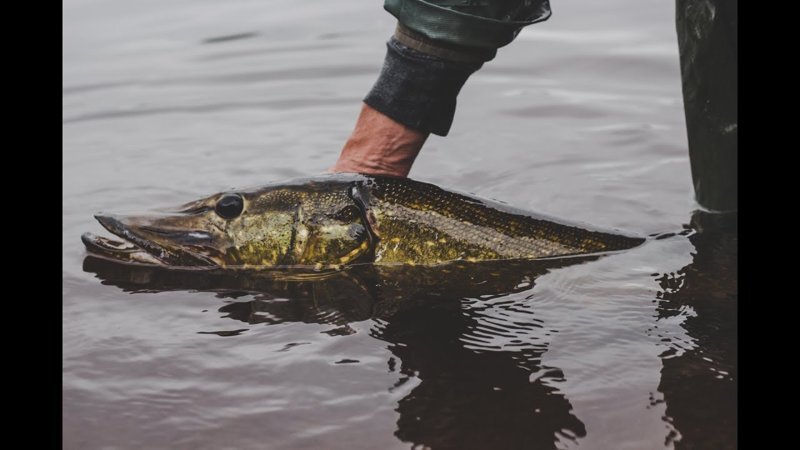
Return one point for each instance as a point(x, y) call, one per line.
point(420, 222)
point(346, 219)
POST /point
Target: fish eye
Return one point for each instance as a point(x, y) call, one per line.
point(230, 206)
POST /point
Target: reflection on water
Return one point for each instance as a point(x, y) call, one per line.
point(482, 383)
point(476, 349)
point(699, 381)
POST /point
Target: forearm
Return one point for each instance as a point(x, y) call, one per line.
point(433, 52)
point(415, 95)
point(380, 145)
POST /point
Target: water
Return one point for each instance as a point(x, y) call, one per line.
point(581, 118)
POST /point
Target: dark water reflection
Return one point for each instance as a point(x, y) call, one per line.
point(481, 380)
point(699, 383)
point(470, 335)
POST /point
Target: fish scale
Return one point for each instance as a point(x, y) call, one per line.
point(343, 219)
point(411, 213)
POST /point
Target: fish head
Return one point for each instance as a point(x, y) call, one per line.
point(301, 224)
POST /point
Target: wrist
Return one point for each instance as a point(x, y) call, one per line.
point(380, 145)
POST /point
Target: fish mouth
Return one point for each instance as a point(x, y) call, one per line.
point(134, 248)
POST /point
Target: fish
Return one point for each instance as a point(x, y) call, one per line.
point(338, 220)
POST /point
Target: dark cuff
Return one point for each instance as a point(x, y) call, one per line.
point(419, 90)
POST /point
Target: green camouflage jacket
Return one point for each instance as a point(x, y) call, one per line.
point(481, 26)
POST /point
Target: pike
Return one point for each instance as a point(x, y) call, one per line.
point(342, 220)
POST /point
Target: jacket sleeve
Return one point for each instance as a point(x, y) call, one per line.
point(437, 45)
point(483, 25)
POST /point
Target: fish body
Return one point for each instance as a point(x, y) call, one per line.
point(345, 219)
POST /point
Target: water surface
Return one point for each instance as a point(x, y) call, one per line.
point(581, 118)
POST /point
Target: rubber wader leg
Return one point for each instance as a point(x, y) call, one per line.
point(707, 41)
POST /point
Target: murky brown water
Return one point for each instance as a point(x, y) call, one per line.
point(580, 118)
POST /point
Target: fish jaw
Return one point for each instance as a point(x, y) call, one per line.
point(144, 243)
